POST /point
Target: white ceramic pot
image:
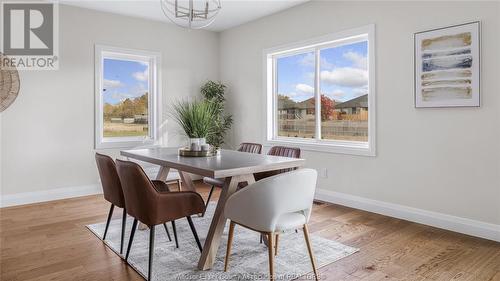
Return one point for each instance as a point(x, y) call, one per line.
point(194, 140)
point(195, 147)
point(195, 144)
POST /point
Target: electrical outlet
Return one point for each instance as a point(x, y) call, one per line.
point(323, 173)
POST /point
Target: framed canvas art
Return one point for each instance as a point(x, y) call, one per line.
point(447, 66)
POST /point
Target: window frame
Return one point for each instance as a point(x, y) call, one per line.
point(154, 98)
point(365, 33)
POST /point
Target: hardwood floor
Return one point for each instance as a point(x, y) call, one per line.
point(49, 241)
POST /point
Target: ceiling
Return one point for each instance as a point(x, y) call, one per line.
point(233, 12)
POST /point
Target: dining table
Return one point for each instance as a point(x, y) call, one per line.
point(233, 166)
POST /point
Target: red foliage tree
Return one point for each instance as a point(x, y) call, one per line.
point(327, 107)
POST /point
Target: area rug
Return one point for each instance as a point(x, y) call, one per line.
point(248, 261)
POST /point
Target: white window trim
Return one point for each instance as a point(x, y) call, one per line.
point(154, 100)
point(339, 38)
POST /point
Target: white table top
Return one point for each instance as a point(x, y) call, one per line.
point(228, 163)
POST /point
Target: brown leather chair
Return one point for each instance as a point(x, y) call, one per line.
point(244, 147)
point(151, 203)
point(284, 151)
point(113, 193)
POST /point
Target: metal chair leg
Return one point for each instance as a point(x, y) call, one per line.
point(124, 222)
point(208, 199)
point(175, 234)
point(110, 214)
point(134, 227)
point(168, 232)
point(193, 229)
point(151, 250)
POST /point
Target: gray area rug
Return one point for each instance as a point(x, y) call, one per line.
point(248, 261)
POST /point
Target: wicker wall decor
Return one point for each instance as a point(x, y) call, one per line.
point(9, 85)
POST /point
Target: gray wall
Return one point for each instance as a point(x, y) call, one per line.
point(441, 160)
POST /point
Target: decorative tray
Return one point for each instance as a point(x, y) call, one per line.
point(189, 153)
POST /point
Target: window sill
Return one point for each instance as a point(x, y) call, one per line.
point(123, 143)
point(338, 147)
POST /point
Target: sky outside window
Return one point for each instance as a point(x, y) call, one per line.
point(125, 96)
point(343, 69)
point(124, 79)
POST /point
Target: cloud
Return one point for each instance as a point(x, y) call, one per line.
point(111, 84)
point(308, 60)
point(137, 90)
point(298, 97)
point(357, 59)
point(345, 77)
point(337, 95)
point(360, 91)
point(119, 97)
point(304, 88)
point(141, 76)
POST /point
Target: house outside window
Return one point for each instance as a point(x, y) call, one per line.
point(326, 86)
point(126, 97)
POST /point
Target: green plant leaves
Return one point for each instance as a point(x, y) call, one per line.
point(195, 118)
point(205, 118)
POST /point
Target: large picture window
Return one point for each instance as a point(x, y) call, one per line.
point(321, 93)
point(126, 97)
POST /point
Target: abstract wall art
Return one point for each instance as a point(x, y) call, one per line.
point(447, 66)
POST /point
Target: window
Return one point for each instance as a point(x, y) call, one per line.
point(127, 97)
point(321, 93)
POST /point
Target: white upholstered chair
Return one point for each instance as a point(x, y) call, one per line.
point(273, 205)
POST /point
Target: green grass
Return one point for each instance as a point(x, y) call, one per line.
point(112, 130)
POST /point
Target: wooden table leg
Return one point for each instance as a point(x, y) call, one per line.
point(219, 221)
point(188, 182)
point(163, 173)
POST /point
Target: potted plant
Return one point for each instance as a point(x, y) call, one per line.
point(196, 120)
point(213, 92)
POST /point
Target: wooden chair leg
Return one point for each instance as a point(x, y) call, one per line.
point(179, 184)
point(229, 242)
point(110, 214)
point(193, 229)
point(276, 244)
point(132, 233)
point(270, 246)
point(151, 251)
point(175, 235)
point(309, 249)
point(124, 222)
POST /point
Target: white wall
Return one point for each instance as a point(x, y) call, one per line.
point(442, 161)
point(48, 132)
point(439, 160)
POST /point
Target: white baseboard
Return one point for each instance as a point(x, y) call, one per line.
point(49, 195)
point(457, 224)
point(67, 192)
